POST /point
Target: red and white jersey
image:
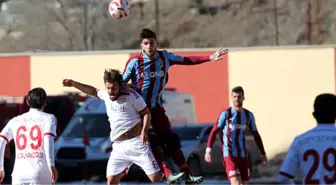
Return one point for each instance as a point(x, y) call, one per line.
point(314, 155)
point(123, 113)
point(28, 131)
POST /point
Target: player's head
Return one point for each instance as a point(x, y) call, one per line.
point(148, 41)
point(36, 98)
point(113, 81)
point(237, 96)
point(325, 108)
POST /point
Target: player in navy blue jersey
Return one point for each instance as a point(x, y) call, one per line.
point(148, 72)
point(231, 125)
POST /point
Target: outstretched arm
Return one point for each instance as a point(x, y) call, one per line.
point(194, 60)
point(190, 60)
point(87, 89)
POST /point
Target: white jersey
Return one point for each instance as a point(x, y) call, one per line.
point(31, 160)
point(314, 155)
point(123, 113)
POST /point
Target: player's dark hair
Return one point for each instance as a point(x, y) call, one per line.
point(147, 33)
point(113, 75)
point(325, 108)
point(36, 98)
point(238, 89)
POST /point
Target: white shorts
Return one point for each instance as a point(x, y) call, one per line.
point(127, 152)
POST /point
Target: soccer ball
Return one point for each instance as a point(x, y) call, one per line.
point(119, 9)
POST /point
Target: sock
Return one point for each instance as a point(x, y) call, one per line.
point(159, 157)
point(165, 170)
point(180, 161)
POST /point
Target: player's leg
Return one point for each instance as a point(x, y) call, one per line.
point(159, 156)
point(232, 171)
point(156, 144)
point(117, 163)
point(173, 146)
point(141, 155)
point(154, 141)
point(114, 179)
point(244, 168)
point(162, 127)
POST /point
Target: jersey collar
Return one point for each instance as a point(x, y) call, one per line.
point(145, 56)
point(34, 110)
point(327, 125)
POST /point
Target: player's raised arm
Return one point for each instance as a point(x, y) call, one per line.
point(87, 89)
point(49, 145)
point(257, 138)
point(212, 136)
point(194, 60)
point(290, 165)
point(6, 135)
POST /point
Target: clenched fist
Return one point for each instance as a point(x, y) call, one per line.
point(68, 83)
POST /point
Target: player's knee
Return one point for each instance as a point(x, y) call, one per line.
point(235, 180)
point(156, 177)
point(114, 179)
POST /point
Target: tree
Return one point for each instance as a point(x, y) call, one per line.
point(68, 25)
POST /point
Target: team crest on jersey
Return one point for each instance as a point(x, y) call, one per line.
point(161, 63)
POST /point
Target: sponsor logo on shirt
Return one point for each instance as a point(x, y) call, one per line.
point(119, 108)
point(152, 74)
point(237, 126)
point(161, 63)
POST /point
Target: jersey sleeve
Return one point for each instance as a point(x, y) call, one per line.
point(137, 101)
point(188, 60)
point(102, 94)
point(50, 127)
point(7, 133)
point(252, 123)
point(291, 163)
point(129, 70)
point(219, 125)
point(174, 59)
point(221, 119)
point(49, 147)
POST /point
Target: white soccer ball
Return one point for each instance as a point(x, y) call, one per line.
point(119, 9)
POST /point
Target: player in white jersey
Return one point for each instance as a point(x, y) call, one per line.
point(124, 109)
point(313, 153)
point(33, 133)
